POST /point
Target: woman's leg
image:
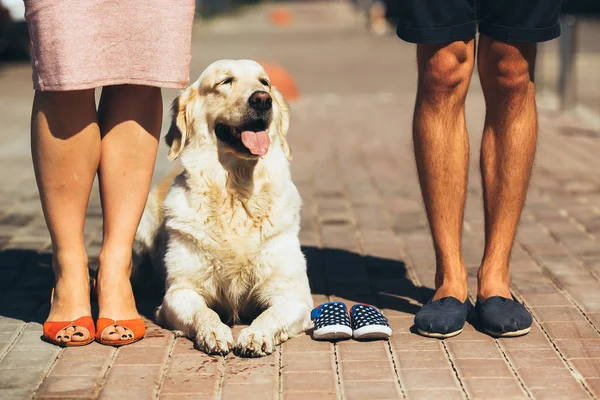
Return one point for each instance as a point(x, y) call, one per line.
point(130, 121)
point(65, 146)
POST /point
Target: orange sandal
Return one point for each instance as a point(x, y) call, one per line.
point(52, 328)
point(135, 326)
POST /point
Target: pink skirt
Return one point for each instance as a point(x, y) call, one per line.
point(84, 44)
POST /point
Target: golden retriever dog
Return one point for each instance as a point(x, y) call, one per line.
point(223, 231)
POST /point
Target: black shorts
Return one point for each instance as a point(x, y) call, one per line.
point(445, 21)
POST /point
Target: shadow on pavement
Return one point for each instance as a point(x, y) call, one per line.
point(364, 279)
point(26, 280)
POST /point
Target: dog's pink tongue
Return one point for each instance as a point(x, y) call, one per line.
point(257, 142)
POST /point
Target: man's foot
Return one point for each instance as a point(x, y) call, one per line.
point(70, 301)
point(446, 313)
point(442, 318)
point(503, 317)
point(115, 297)
point(498, 313)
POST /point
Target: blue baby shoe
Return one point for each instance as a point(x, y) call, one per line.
point(369, 323)
point(331, 321)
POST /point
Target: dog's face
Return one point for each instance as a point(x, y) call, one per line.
point(233, 103)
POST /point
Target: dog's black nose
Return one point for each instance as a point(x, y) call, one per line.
point(260, 101)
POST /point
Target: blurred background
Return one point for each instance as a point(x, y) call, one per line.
point(568, 70)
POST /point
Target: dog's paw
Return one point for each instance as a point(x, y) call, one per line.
point(255, 343)
point(214, 339)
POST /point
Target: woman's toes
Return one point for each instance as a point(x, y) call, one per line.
point(117, 333)
point(124, 333)
point(66, 334)
point(110, 333)
point(81, 334)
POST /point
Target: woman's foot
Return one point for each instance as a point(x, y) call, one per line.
point(70, 300)
point(115, 297)
point(442, 318)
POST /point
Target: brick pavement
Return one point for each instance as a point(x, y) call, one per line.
point(364, 234)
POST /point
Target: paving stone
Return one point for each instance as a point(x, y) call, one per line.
point(16, 393)
point(572, 330)
point(587, 367)
point(309, 395)
point(367, 370)
point(594, 385)
point(422, 359)
point(131, 376)
point(546, 358)
point(548, 378)
point(248, 391)
point(190, 384)
point(304, 343)
point(185, 396)
point(435, 394)
point(433, 378)
point(21, 378)
point(371, 389)
point(552, 394)
point(25, 358)
point(123, 392)
point(474, 349)
point(534, 340)
point(493, 388)
point(299, 381)
point(68, 386)
point(141, 355)
point(313, 361)
point(558, 314)
point(574, 348)
point(474, 368)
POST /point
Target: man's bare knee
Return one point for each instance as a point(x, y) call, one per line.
point(506, 68)
point(446, 68)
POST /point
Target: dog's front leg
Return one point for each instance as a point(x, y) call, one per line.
point(185, 310)
point(285, 318)
point(287, 296)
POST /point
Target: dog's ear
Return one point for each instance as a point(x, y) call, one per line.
point(282, 121)
point(180, 123)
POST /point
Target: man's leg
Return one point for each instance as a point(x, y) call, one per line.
point(507, 152)
point(442, 154)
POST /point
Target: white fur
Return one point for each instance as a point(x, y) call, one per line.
point(225, 237)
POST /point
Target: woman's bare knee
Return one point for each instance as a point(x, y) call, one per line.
point(64, 113)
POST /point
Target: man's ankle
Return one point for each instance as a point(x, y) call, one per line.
point(493, 281)
point(451, 283)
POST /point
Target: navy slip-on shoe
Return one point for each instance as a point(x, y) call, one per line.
point(332, 321)
point(368, 323)
point(502, 317)
point(442, 318)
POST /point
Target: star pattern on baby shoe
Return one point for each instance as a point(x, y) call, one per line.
point(363, 315)
point(333, 313)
